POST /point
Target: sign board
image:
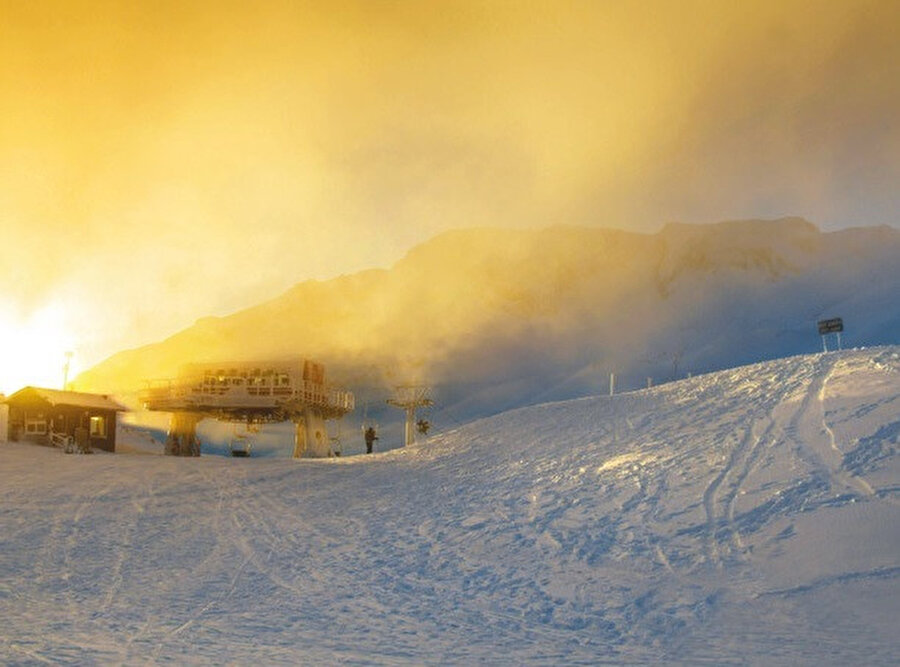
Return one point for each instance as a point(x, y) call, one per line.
point(834, 325)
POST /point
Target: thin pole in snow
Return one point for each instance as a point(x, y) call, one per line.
point(824, 345)
point(66, 370)
point(839, 340)
point(612, 384)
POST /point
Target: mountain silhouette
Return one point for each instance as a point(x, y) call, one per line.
point(499, 318)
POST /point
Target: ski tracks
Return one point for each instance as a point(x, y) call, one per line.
point(159, 632)
point(722, 534)
point(816, 438)
point(747, 465)
point(71, 544)
point(805, 428)
point(124, 549)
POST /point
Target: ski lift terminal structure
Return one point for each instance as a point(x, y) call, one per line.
point(250, 393)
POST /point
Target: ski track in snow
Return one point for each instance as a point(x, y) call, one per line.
point(817, 438)
point(712, 521)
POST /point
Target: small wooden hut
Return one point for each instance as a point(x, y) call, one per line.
point(52, 416)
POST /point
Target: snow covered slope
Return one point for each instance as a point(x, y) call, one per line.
point(750, 516)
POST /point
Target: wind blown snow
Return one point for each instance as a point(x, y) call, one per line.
point(746, 516)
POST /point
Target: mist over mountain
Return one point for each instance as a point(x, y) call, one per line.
point(493, 319)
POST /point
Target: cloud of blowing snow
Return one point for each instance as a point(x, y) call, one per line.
point(165, 161)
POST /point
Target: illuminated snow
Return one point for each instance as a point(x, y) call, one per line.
point(748, 516)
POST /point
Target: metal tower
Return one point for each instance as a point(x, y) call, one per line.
point(409, 397)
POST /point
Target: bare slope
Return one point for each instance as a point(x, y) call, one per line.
point(748, 516)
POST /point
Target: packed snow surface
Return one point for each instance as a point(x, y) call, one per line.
point(744, 517)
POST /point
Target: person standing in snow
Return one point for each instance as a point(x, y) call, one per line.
point(370, 439)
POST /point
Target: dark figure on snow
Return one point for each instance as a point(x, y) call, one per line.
point(370, 439)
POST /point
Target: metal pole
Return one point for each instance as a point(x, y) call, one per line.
point(839, 340)
point(612, 384)
point(824, 345)
point(410, 425)
point(66, 371)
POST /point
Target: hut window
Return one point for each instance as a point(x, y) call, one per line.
point(98, 427)
point(35, 425)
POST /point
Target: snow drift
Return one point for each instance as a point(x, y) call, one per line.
point(745, 516)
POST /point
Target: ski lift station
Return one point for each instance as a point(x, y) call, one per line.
point(251, 393)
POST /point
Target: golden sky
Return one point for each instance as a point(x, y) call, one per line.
point(161, 161)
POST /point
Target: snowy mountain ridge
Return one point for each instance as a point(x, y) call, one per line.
point(495, 318)
point(748, 516)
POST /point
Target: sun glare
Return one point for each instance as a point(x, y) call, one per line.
point(33, 349)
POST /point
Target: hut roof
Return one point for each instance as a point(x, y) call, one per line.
point(55, 397)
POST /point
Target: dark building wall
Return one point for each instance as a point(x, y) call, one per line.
point(107, 442)
point(31, 421)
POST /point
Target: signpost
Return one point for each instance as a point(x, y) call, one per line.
point(834, 325)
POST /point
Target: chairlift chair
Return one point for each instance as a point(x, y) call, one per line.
point(240, 442)
point(241, 446)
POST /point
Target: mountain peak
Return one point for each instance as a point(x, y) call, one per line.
point(791, 225)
